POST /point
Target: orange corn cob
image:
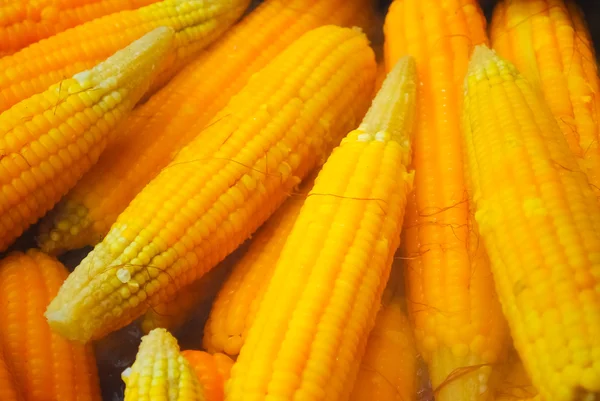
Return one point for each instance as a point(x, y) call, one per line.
point(48, 141)
point(236, 304)
point(194, 96)
point(175, 313)
point(212, 372)
point(388, 370)
point(161, 373)
point(550, 44)
point(320, 305)
point(8, 389)
point(23, 22)
point(46, 366)
point(459, 327)
point(196, 23)
point(223, 185)
point(540, 221)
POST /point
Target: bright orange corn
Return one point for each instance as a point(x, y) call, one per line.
point(23, 22)
point(196, 24)
point(224, 184)
point(540, 221)
point(46, 366)
point(549, 43)
point(459, 327)
point(8, 388)
point(235, 307)
point(47, 142)
point(212, 372)
point(322, 300)
point(161, 373)
point(193, 97)
point(388, 370)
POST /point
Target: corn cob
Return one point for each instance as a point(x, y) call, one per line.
point(325, 291)
point(223, 185)
point(236, 304)
point(196, 23)
point(212, 372)
point(46, 366)
point(23, 22)
point(160, 372)
point(550, 44)
point(49, 140)
point(457, 317)
point(540, 221)
point(8, 389)
point(194, 96)
point(388, 370)
point(175, 313)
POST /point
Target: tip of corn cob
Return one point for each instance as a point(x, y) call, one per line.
point(484, 58)
point(160, 368)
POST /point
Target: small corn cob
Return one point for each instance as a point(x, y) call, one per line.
point(196, 24)
point(540, 221)
point(236, 304)
point(160, 372)
point(212, 372)
point(46, 366)
point(23, 22)
point(8, 388)
point(388, 370)
point(549, 43)
point(194, 96)
point(459, 327)
point(175, 313)
point(47, 142)
point(223, 185)
point(322, 300)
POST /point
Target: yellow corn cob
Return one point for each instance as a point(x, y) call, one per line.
point(540, 221)
point(194, 96)
point(8, 389)
point(459, 327)
point(46, 366)
point(550, 45)
point(212, 372)
point(236, 304)
point(23, 22)
point(388, 370)
point(161, 373)
point(321, 303)
point(223, 185)
point(173, 314)
point(48, 141)
point(196, 23)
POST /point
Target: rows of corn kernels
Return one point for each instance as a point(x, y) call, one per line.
point(299, 200)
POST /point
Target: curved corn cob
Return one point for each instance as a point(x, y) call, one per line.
point(173, 314)
point(235, 307)
point(324, 294)
point(23, 22)
point(194, 96)
point(8, 389)
point(48, 141)
point(212, 372)
point(540, 221)
point(457, 317)
point(196, 23)
point(388, 370)
point(160, 372)
point(46, 366)
point(550, 45)
point(224, 185)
